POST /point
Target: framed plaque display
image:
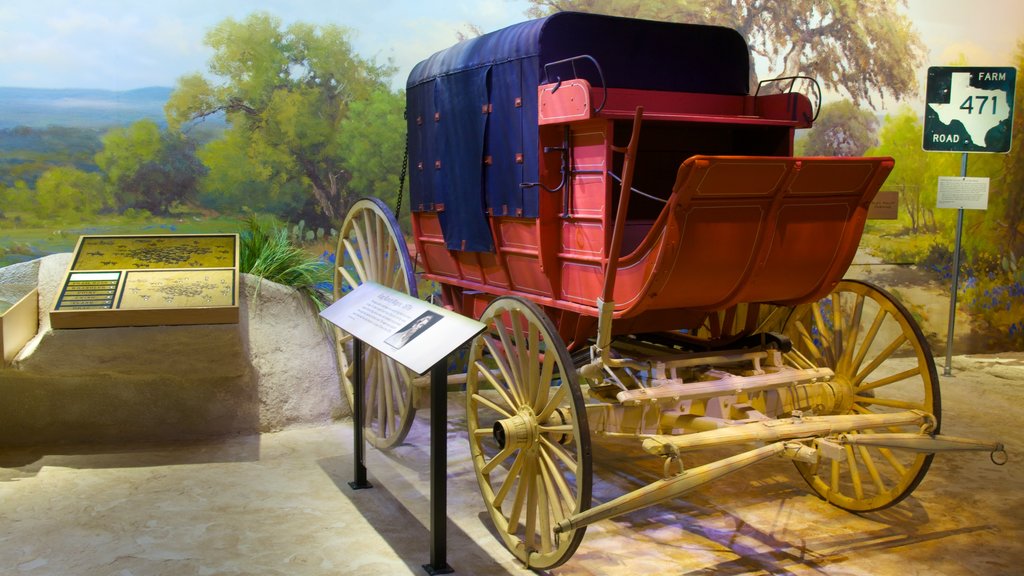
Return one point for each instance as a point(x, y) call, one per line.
point(137, 280)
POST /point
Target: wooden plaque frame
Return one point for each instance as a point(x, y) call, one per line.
point(149, 280)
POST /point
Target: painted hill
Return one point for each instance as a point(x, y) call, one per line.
point(86, 108)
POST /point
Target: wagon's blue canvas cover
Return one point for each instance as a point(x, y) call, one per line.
point(468, 160)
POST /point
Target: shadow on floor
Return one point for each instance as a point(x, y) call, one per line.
point(407, 534)
point(17, 463)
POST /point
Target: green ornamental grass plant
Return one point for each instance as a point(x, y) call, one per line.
point(267, 251)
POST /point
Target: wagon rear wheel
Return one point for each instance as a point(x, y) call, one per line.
point(882, 363)
point(371, 248)
point(528, 432)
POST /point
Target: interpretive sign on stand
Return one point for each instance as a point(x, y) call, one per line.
point(420, 336)
point(414, 333)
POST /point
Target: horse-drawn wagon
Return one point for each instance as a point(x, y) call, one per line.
point(652, 263)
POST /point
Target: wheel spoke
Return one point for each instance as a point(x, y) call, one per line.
point(543, 510)
point(556, 478)
point(877, 361)
point(531, 503)
point(520, 497)
point(521, 359)
point(537, 381)
point(837, 327)
point(824, 335)
point(365, 239)
point(353, 255)
point(347, 277)
point(869, 339)
point(506, 485)
point(915, 371)
point(810, 344)
point(567, 460)
point(889, 402)
point(893, 461)
point(554, 402)
point(503, 368)
point(834, 486)
point(853, 333)
point(486, 373)
point(858, 488)
point(482, 400)
point(869, 463)
point(498, 458)
point(511, 361)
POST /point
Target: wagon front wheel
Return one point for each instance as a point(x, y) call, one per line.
point(882, 364)
point(528, 432)
point(371, 248)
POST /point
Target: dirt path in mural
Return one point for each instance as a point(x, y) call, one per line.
point(927, 299)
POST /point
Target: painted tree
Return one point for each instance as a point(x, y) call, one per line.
point(864, 49)
point(901, 138)
point(1012, 198)
point(842, 129)
point(286, 92)
point(64, 193)
point(149, 169)
point(373, 144)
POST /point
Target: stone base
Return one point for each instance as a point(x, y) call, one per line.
point(274, 369)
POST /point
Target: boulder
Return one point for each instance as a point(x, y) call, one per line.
point(273, 370)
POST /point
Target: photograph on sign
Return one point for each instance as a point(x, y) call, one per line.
point(969, 109)
point(968, 193)
point(414, 333)
point(413, 329)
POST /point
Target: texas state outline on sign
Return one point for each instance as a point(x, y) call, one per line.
point(964, 98)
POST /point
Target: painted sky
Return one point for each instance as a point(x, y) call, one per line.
point(126, 44)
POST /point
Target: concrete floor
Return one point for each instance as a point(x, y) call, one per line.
point(280, 504)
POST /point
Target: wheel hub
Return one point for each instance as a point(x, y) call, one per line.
point(517, 432)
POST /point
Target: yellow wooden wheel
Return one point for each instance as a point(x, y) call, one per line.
point(528, 432)
point(882, 364)
point(371, 248)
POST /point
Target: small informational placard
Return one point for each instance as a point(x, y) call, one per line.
point(885, 206)
point(968, 193)
point(415, 333)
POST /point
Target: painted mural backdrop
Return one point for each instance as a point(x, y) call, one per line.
point(309, 125)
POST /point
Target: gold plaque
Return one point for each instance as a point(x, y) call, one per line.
point(150, 280)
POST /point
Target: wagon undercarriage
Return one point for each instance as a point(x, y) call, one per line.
point(862, 436)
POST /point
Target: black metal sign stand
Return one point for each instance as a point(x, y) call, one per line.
point(358, 416)
point(438, 470)
point(438, 454)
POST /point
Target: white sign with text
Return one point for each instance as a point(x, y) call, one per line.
point(968, 193)
point(415, 333)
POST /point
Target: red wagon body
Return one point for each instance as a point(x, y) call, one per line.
point(725, 213)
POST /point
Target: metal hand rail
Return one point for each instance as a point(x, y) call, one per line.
point(558, 79)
